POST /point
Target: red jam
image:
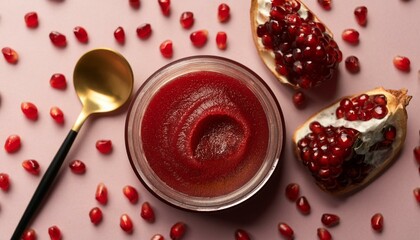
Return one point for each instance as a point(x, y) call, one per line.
point(204, 134)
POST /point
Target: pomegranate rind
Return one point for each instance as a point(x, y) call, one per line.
point(397, 101)
point(259, 14)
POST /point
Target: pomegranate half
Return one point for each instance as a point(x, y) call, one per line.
point(293, 43)
point(348, 144)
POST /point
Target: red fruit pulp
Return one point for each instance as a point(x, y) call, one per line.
point(377, 222)
point(361, 15)
point(187, 19)
point(223, 12)
point(95, 215)
point(199, 38)
point(166, 49)
point(416, 152)
point(101, 194)
point(10, 55)
point(126, 223)
point(29, 110)
point(416, 193)
point(352, 64)
point(55, 233)
point(177, 231)
point(58, 81)
point(119, 35)
point(77, 167)
point(58, 39)
point(147, 212)
point(4, 182)
point(299, 99)
point(241, 234)
point(157, 237)
point(323, 234)
point(292, 191)
point(363, 107)
point(329, 219)
point(31, 166)
point(402, 63)
point(104, 146)
point(131, 194)
point(31, 19)
point(221, 39)
point(165, 7)
point(57, 115)
point(286, 231)
point(325, 4)
point(303, 205)
point(29, 234)
point(134, 3)
point(81, 34)
point(12, 144)
point(144, 31)
point(351, 36)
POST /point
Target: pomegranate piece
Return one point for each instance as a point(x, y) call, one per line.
point(377, 222)
point(323, 234)
point(81, 34)
point(402, 63)
point(57, 115)
point(58, 39)
point(199, 38)
point(104, 146)
point(29, 234)
point(4, 182)
point(286, 231)
point(10, 55)
point(126, 223)
point(416, 192)
point(330, 220)
point(131, 194)
point(241, 234)
point(29, 110)
point(157, 237)
point(416, 152)
point(31, 20)
point(12, 143)
point(352, 64)
point(135, 4)
point(55, 233)
point(119, 35)
point(101, 194)
point(144, 31)
point(77, 167)
point(165, 7)
point(147, 212)
point(95, 215)
point(223, 12)
point(166, 49)
point(325, 4)
point(351, 36)
point(299, 99)
point(221, 40)
point(292, 191)
point(177, 231)
point(187, 20)
point(303, 205)
point(58, 81)
point(361, 15)
point(31, 166)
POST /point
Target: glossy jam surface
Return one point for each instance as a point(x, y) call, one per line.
point(204, 134)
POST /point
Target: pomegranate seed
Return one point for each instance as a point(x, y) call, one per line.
point(402, 63)
point(292, 191)
point(144, 31)
point(323, 234)
point(330, 220)
point(361, 15)
point(54, 232)
point(416, 152)
point(299, 99)
point(77, 167)
point(416, 192)
point(223, 12)
point(351, 36)
point(126, 223)
point(352, 64)
point(81, 34)
point(166, 49)
point(95, 215)
point(4, 182)
point(165, 7)
point(177, 230)
point(131, 193)
point(147, 212)
point(285, 230)
point(101, 194)
point(134, 3)
point(221, 39)
point(31, 166)
point(377, 222)
point(303, 206)
point(325, 4)
point(187, 19)
point(58, 39)
point(104, 146)
point(157, 237)
point(10, 55)
point(241, 234)
point(57, 115)
point(12, 144)
point(29, 234)
point(58, 81)
point(31, 19)
point(29, 110)
point(119, 35)
point(199, 38)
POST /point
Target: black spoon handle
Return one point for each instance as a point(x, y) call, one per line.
point(44, 185)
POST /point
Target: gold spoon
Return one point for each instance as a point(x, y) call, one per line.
point(103, 81)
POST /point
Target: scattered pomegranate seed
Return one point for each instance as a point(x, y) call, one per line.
point(352, 64)
point(119, 35)
point(104, 146)
point(241, 234)
point(292, 191)
point(286, 231)
point(58, 39)
point(81, 34)
point(177, 230)
point(58, 81)
point(165, 7)
point(31, 19)
point(350, 35)
point(4, 182)
point(325, 4)
point(31, 166)
point(157, 237)
point(29, 110)
point(101, 194)
point(55, 233)
point(416, 152)
point(361, 15)
point(77, 166)
point(221, 39)
point(377, 222)
point(131, 193)
point(166, 49)
point(95, 215)
point(134, 3)
point(416, 192)
point(323, 234)
point(303, 206)
point(10, 55)
point(223, 12)
point(299, 99)
point(144, 31)
point(330, 220)
point(126, 223)
point(147, 212)
point(402, 63)
point(29, 234)
point(12, 144)
point(199, 38)
point(57, 114)
point(187, 19)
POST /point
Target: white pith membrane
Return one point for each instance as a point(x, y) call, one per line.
point(370, 133)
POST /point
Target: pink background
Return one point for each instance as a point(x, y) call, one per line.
point(391, 31)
